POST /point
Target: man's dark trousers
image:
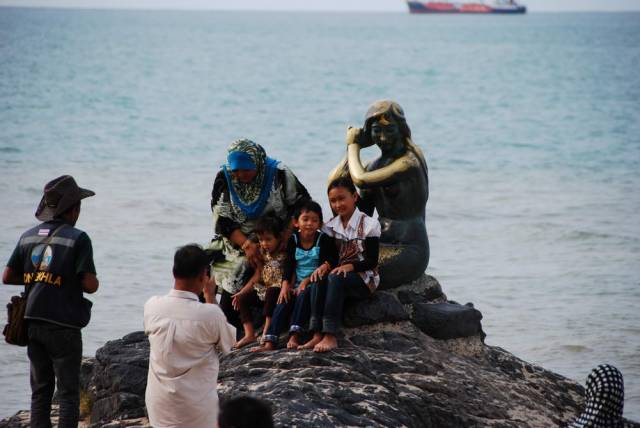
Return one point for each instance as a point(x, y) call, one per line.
point(55, 352)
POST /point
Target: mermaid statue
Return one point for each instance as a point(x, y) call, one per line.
point(395, 184)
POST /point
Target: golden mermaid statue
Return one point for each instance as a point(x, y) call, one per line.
point(395, 184)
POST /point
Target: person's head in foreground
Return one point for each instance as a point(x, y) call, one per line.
point(604, 400)
point(191, 268)
point(245, 412)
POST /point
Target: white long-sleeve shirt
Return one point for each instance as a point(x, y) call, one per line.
point(186, 337)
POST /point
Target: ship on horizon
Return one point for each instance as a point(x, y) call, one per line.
point(499, 7)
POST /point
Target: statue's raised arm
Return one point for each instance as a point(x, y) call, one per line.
point(396, 185)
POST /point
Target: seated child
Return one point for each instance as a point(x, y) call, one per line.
point(263, 288)
point(358, 237)
point(309, 253)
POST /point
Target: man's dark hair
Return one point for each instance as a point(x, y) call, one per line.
point(269, 224)
point(309, 206)
point(189, 261)
point(245, 412)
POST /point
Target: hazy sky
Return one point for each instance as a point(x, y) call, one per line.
point(336, 5)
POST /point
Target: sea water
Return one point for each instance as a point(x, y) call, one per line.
point(530, 126)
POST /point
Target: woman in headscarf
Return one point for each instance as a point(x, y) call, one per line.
point(396, 185)
point(248, 186)
point(604, 401)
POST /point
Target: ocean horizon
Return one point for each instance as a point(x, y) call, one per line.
point(404, 11)
point(530, 126)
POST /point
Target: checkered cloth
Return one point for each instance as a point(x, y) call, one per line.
point(605, 399)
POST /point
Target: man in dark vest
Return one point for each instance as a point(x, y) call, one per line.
point(54, 260)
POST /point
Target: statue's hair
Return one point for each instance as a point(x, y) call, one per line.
point(392, 108)
point(377, 109)
point(386, 108)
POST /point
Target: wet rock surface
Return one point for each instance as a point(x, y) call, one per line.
point(117, 379)
point(386, 373)
point(381, 307)
point(394, 375)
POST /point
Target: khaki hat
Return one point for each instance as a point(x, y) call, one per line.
point(60, 194)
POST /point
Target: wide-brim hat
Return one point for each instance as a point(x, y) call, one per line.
point(60, 194)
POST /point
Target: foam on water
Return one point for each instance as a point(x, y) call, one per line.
point(530, 126)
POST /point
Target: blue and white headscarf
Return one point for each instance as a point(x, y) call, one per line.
point(252, 197)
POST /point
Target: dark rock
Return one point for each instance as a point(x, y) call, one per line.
point(124, 423)
point(119, 377)
point(119, 405)
point(371, 381)
point(86, 372)
point(425, 289)
point(380, 307)
point(447, 320)
point(386, 373)
point(19, 420)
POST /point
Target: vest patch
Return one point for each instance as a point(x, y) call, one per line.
point(42, 276)
point(41, 256)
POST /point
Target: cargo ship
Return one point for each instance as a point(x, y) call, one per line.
point(501, 7)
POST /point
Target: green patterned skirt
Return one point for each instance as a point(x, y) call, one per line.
point(230, 267)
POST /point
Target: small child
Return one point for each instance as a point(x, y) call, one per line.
point(310, 256)
point(263, 288)
point(358, 238)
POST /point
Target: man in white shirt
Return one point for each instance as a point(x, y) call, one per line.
point(186, 337)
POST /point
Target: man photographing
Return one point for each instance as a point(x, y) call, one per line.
point(185, 337)
point(54, 260)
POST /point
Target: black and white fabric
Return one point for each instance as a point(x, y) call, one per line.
point(604, 400)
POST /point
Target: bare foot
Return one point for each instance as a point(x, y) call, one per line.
point(267, 346)
point(245, 341)
point(293, 342)
point(327, 343)
point(317, 337)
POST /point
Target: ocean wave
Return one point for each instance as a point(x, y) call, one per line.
point(575, 348)
point(164, 224)
point(9, 149)
point(585, 235)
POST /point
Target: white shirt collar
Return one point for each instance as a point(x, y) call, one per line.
point(336, 223)
point(183, 294)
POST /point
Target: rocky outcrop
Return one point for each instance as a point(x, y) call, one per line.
point(397, 376)
point(388, 372)
point(117, 378)
point(21, 419)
